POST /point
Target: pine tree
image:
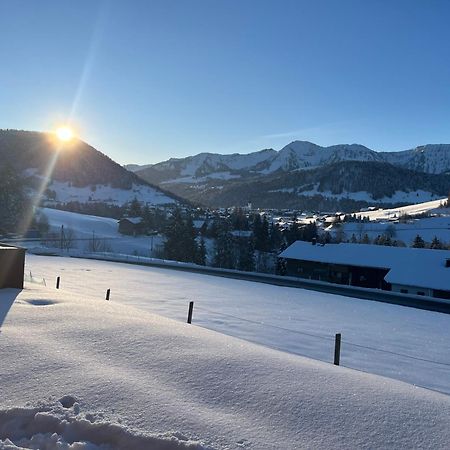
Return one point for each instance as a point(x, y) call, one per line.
point(201, 253)
point(436, 244)
point(180, 242)
point(418, 242)
point(134, 208)
point(261, 235)
point(223, 248)
point(246, 254)
point(13, 202)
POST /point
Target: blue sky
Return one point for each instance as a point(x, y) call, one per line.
point(144, 81)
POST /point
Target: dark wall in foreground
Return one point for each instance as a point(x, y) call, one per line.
point(12, 262)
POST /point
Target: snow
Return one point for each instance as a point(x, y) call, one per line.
point(408, 266)
point(146, 194)
point(85, 226)
point(293, 320)
point(126, 378)
point(397, 197)
point(419, 208)
point(195, 179)
point(61, 425)
point(427, 228)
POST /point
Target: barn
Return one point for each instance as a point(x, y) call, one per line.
point(415, 271)
point(131, 225)
point(12, 262)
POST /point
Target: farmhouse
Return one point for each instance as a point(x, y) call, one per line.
point(406, 270)
point(130, 225)
point(12, 262)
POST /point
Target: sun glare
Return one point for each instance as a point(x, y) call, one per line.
point(64, 134)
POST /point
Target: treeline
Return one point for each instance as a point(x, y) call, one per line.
point(14, 204)
point(237, 241)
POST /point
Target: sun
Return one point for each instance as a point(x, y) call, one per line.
point(64, 134)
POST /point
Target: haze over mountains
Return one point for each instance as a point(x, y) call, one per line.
point(303, 174)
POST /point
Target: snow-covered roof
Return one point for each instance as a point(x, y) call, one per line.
point(135, 220)
point(408, 266)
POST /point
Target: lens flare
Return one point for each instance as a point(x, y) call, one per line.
point(64, 134)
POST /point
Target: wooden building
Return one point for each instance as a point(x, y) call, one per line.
point(405, 270)
point(12, 262)
point(132, 226)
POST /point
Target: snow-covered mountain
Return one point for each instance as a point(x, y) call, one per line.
point(431, 158)
point(294, 156)
point(73, 171)
point(303, 174)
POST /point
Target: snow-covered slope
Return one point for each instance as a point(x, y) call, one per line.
point(389, 340)
point(72, 171)
point(294, 156)
point(63, 192)
point(129, 379)
point(434, 206)
point(83, 227)
point(227, 180)
point(431, 158)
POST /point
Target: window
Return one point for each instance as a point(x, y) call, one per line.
point(420, 293)
point(404, 291)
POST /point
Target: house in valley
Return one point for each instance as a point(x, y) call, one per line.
point(405, 270)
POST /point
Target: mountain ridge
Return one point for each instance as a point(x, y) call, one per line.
point(210, 179)
point(430, 158)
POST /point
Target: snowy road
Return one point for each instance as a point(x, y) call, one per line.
point(394, 341)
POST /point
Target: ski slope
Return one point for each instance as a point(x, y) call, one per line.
point(390, 340)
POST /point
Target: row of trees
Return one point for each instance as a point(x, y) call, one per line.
point(239, 241)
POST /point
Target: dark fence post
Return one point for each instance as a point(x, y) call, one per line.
point(191, 308)
point(337, 349)
point(107, 294)
point(58, 279)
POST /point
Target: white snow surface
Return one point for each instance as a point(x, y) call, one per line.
point(126, 379)
point(106, 228)
point(397, 197)
point(66, 192)
point(419, 208)
point(427, 228)
point(390, 340)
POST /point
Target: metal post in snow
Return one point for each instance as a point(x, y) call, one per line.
point(337, 349)
point(58, 279)
point(191, 308)
point(107, 294)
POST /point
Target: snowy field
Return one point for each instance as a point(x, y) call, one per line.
point(419, 208)
point(427, 228)
point(79, 373)
point(85, 226)
point(398, 342)
point(65, 192)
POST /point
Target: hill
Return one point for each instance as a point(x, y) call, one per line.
point(73, 170)
point(115, 376)
point(347, 186)
point(420, 174)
